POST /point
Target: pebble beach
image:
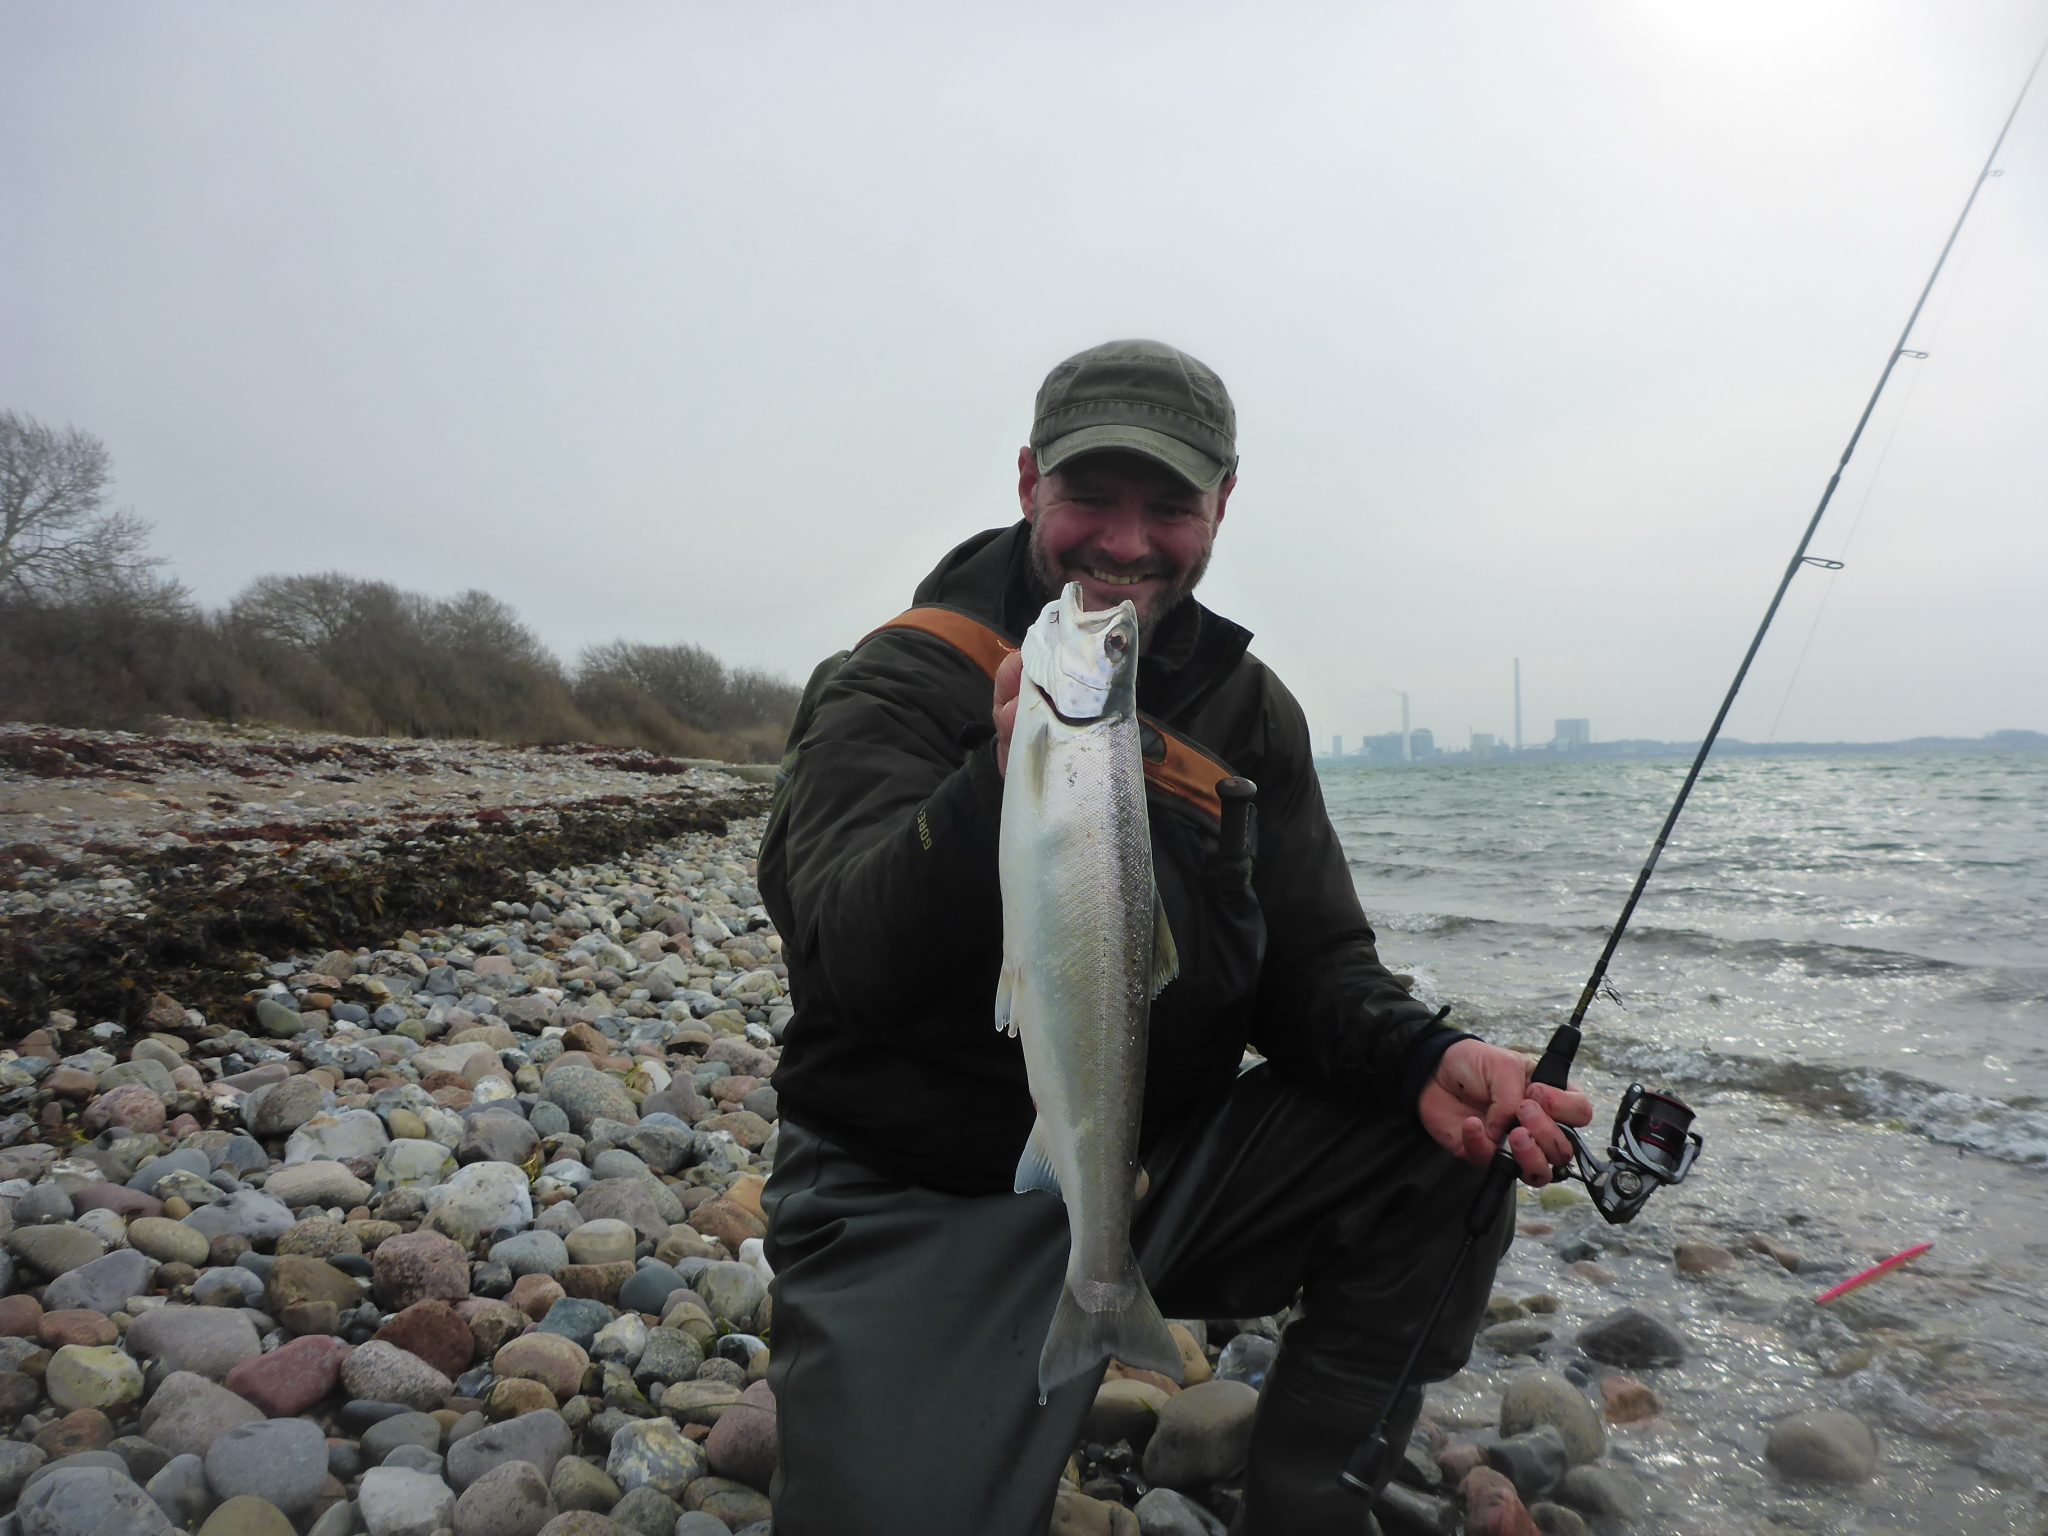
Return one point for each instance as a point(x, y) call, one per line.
point(383, 1127)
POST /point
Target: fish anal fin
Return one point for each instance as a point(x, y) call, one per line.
point(1034, 1167)
point(1165, 957)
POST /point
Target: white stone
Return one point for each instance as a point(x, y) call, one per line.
point(394, 1501)
point(337, 1136)
point(489, 1197)
point(411, 1164)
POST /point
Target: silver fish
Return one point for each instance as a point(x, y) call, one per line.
point(1085, 949)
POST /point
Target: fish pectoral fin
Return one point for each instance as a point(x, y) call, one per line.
point(1007, 982)
point(1165, 956)
point(1034, 1168)
point(1144, 1183)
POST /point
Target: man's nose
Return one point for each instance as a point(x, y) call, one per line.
point(1122, 535)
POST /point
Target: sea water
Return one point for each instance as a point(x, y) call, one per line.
point(1841, 963)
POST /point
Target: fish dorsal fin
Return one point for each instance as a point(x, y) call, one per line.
point(1165, 956)
point(1034, 1168)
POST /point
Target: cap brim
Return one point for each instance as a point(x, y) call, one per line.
point(1192, 465)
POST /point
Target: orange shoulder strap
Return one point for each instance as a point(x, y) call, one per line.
point(1174, 766)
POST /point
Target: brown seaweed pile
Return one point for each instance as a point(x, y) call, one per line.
point(201, 918)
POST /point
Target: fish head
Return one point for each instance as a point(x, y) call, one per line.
point(1086, 664)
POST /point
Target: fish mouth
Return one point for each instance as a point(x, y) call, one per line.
point(1057, 714)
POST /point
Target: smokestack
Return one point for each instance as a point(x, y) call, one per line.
point(1518, 703)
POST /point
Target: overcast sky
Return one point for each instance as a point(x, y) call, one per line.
point(719, 324)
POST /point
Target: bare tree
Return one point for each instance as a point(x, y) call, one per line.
point(476, 625)
point(58, 539)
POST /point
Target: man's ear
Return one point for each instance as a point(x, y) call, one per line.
point(1027, 483)
point(1223, 497)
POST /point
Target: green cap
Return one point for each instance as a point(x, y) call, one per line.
point(1139, 397)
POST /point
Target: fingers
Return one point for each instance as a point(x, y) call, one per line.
point(1549, 1142)
point(1567, 1106)
point(1009, 681)
point(1529, 1157)
point(1009, 677)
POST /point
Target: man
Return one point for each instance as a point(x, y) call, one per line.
point(913, 1288)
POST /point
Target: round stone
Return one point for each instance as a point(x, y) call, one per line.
point(743, 1444)
point(1532, 1398)
point(1632, 1339)
point(282, 1461)
point(384, 1373)
point(540, 1438)
point(605, 1241)
point(548, 1358)
point(487, 1196)
point(653, 1453)
point(510, 1499)
point(169, 1242)
point(89, 1501)
point(531, 1253)
point(1202, 1435)
point(413, 1162)
point(1830, 1446)
point(209, 1341)
point(54, 1250)
point(317, 1182)
point(247, 1516)
point(103, 1285)
point(585, 1094)
point(395, 1501)
point(338, 1136)
point(92, 1376)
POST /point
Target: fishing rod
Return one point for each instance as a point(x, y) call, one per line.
point(1653, 1143)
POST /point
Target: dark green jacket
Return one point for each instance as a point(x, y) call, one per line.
point(881, 876)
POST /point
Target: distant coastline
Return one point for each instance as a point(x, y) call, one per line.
point(1727, 746)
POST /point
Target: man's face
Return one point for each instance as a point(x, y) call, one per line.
point(1123, 526)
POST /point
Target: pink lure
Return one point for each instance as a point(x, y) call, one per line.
point(1872, 1273)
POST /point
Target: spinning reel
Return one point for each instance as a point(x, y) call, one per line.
point(1653, 1145)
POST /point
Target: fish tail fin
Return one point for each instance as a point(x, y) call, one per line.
point(1128, 1328)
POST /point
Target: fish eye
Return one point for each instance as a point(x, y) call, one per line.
point(1115, 643)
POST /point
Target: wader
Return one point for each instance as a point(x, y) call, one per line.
point(908, 1322)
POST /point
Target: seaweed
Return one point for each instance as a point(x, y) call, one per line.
point(200, 920)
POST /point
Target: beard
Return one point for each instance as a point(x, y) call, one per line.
point(1049, 577)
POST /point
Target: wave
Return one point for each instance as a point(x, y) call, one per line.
point(2012, 1131)
point(1811, 955)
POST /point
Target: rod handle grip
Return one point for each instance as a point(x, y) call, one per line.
point(1553, 1070)
point(1556, 1065)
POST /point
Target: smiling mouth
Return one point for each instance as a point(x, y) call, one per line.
point(1111, 579)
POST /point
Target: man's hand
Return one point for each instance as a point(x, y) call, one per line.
point(1009, 682)
point(1481, 1092)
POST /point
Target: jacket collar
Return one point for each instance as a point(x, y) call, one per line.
point(990, 577)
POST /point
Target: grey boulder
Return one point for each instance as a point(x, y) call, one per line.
point(282, 1461)
point(89, 1501)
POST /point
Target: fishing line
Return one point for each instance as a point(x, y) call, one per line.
point(1971, 247)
